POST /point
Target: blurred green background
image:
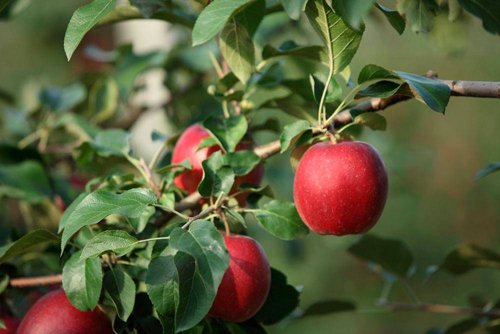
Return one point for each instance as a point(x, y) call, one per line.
point(432, 159)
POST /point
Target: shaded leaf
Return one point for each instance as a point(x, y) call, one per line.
point(251, 16)
point(467, 257)
point(282, 300)
point(352, 11)
point(328, 307)
point(25, 243)
point(491, 168)
point(381, 89)
point(487, 10)
point(394, 18)
point(375, 72)
point(420, 15)
point(292, 49)
point(393, 255)
point(242, 162)
point(294, 8)
point(121, 289)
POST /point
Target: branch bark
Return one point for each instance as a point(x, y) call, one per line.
point(438, 308)
point(477, 89)
point(28, 282)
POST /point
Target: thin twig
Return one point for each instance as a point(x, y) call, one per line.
point(438, 308)
point(28, 282)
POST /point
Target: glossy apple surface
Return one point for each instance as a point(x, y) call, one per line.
point(11, 325)
point(53, 313)
point(246, 283)
point(186, 148)
point(340, 189)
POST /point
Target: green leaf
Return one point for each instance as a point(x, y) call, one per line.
point(59, 99)
point(130, 65)
point(228, 131)
point(103, 99)
point(181, 167)
point(380, 89)
point(83, 19)
point(282, 300)
point(341, 40)
point(352, 11)
point(82, 282)
point(394, 18)
point(431, 92)
point(333, 93)
point(420, 15)
point(25, 243)
point(271, 124)
point(147, 7)
point(218, 177)
point(487, 10)
point(121, 289)
point(242, 162)
point(237, 48)
point(328, 307)
point(236, 216)
point(139, 223)
point(372, 120)
point(393, 255)
point(251, 16)
point(292, 132)
point(27, 181)
point(294, 8)
point(4, 4)
point(184, 279)
point(282, 220)
point(214, 17)
point(291, 49)
point(463, 326)
point(207, 142)
point(69, 210)
point(117, 241)
point(375, 72)
point(491, 168)
point(467, 257)
point(100, 204)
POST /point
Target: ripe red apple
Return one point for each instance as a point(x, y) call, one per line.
point(186, 148)
point(246, 282)
point(11, 325)
point(53, 313)
point(340, 188)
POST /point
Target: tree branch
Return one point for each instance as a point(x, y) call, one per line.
point(479, 89)
point(28, 282)
point(437, 308)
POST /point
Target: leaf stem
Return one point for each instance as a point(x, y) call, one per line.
point(157, 155)
point(153, 239)
point(341, 105)
point(164, 208)
point(321, 108)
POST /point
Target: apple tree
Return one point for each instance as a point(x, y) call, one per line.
point(161, 246)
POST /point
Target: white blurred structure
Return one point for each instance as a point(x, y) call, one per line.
point(147, 36)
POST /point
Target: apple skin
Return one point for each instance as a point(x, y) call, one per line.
point(11, 325)
point(53, 313)
point(246, 282)
point(340, 188)
point(186, 149)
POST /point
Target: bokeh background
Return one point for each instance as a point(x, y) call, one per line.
point(431, 159)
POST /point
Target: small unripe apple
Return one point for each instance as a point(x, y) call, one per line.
point(11, 325)
point(187, 148)
point(246, 282)
point(340, 188)
point(53, 313)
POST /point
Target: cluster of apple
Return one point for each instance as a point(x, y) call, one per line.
point(339, 189)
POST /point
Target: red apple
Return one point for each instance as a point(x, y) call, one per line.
point(340, 189)
point(53, 313)
point(246, 282)
point(11, 325)
point(186, 148)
